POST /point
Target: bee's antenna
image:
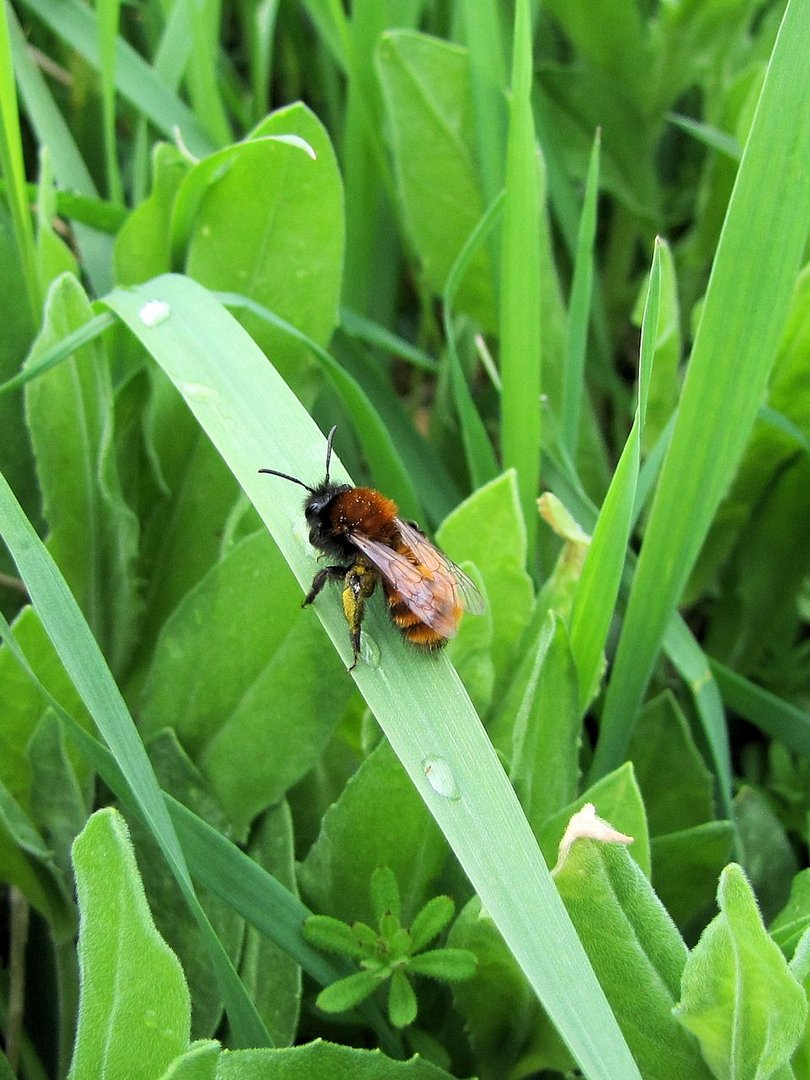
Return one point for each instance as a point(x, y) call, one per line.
point(329, 438)
point(286, 476)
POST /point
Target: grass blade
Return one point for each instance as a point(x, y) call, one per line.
point(520, 285)
point(253, 418)
point(13, 168)
point(602, 572)
point(87, 668)
point(76, 24)
point(580, 307)
point(759, 253)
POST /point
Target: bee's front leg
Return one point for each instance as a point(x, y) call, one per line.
point(358, 585)
point(320, 580)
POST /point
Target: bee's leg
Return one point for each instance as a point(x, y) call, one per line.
point(320, 580)
point(358, 585)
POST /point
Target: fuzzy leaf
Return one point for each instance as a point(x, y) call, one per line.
point(738, 995)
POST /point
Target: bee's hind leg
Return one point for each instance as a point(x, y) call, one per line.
point(358, 585)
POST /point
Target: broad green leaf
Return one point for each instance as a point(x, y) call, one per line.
point(577, 101)
point(93, 534)
point(254, 713)
point(610, 38)
point(24, 705)
point(794, 918)
point(323, 1060)
point(738, 996)
point(271, 976)
point(26, 863)
point(193, 494)
point(284, 249)
point(59, 803)
point(488, 530)
point(686, 866)
point(425, 84)
point(544, 765)
point(770, 861)
point(134, 1011)
point(636, 951)
point(617, 799)
point(143, 244)
point(199, 1062)
point(336, 872)
point(677, 787)
point(689, 41)
point(505, 1023)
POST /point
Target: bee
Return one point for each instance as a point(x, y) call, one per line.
point(360, 529)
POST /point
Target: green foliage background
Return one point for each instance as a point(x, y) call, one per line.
point(511, 250)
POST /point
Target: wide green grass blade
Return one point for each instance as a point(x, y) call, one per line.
point(88, 670)
point(76, 23)
point(254, 420)
point(746, 305)
point(520, 284)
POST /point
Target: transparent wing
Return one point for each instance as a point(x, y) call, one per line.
point(427, 582)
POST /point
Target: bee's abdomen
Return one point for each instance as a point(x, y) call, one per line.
point(410, 625)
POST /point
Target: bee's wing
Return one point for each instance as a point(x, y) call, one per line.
point(430, 556)
point(428, 583)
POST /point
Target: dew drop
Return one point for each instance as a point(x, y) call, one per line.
point(440, 777)
point(154, 312)
point(370, 651)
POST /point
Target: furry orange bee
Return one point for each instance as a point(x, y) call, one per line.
point(360, 529)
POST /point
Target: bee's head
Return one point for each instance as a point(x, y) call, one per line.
point(318, 500)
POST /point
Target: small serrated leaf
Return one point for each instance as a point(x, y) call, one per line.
point(454, 965)
point(346, 993)
point(333, 935)
point(430, 921)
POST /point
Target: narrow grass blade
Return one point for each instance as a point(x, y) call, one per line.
point(253, 418)
point(76, 24)
point(478, 451)
point(87, 668)
point(602, 572)
point(777, 718)
point(746, 306)
point(579, 308)
point(520, 284)
point(358, 326)
point(13, 169)
point(69, 166)
point(108, 15)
